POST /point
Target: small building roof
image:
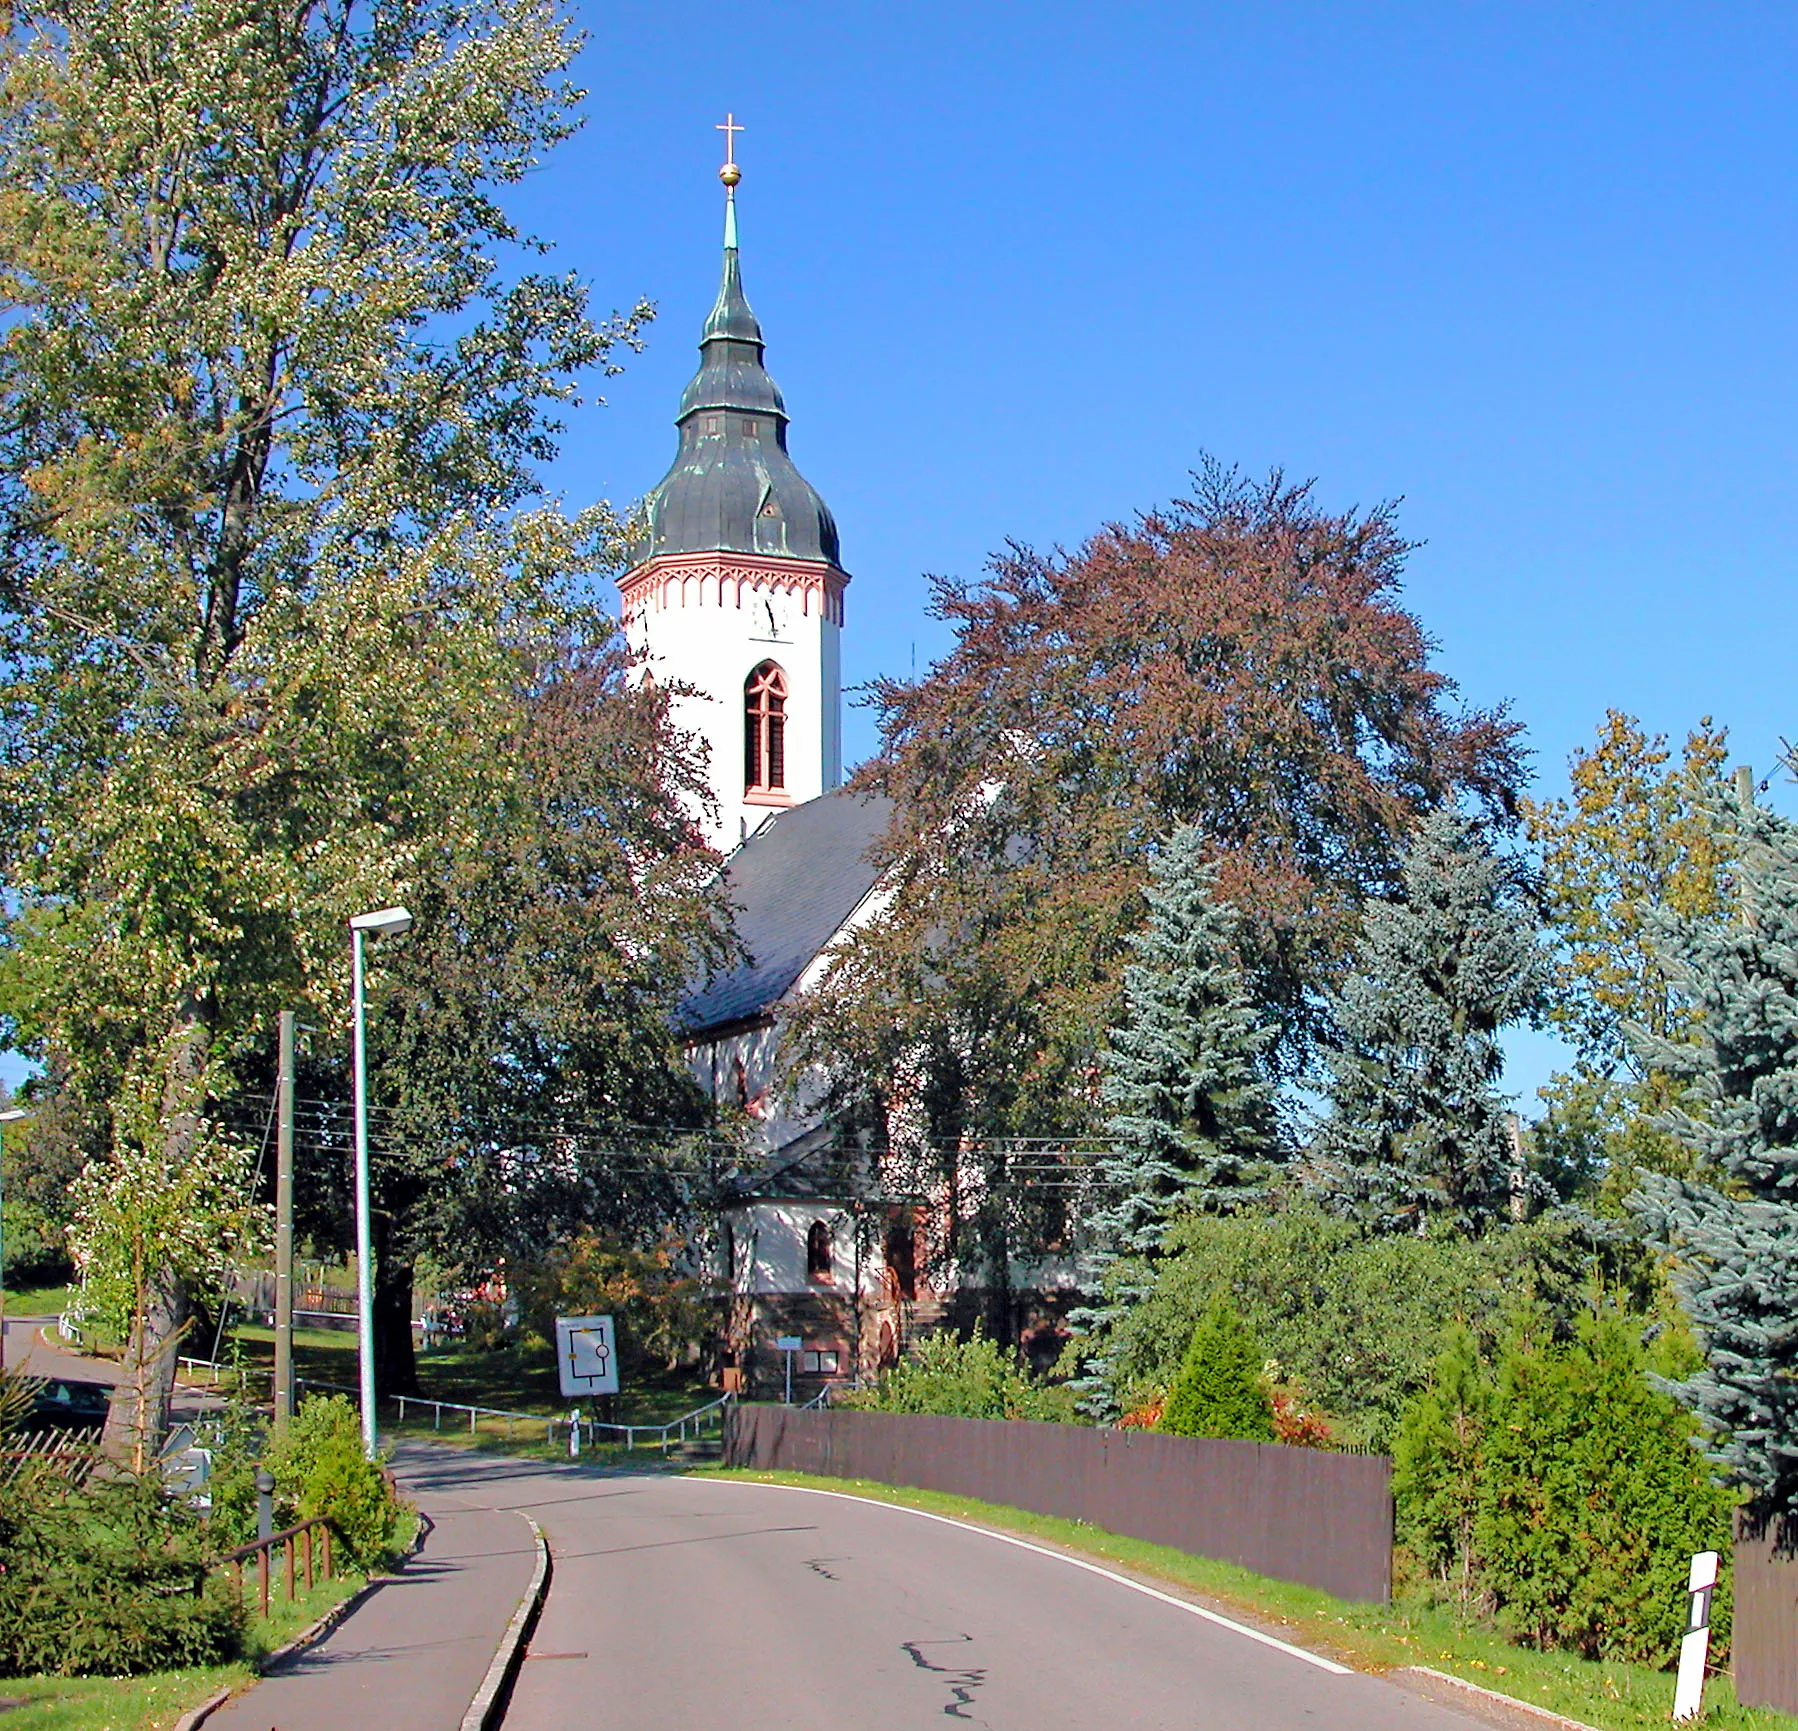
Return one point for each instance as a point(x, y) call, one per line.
point(792, 886)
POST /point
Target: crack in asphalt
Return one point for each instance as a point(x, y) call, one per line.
point(816, 1565)
point(962, 1683)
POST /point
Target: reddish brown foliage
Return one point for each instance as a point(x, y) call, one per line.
point(1238, 660)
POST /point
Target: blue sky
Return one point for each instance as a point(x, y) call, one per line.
point(1528, 267)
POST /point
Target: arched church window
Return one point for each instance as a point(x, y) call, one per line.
point(817, 1251)
point(765, 730)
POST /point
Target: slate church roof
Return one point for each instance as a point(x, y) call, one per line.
point(793, 885)
point(733, 488)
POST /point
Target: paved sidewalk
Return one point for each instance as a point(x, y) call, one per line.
point(410, 1656)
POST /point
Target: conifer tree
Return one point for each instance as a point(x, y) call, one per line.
point(1191, 1110)
point(1733, 1228)
point(1220, 1390)
point(1417, 1129)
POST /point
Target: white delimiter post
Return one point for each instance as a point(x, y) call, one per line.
point(1694, 1647)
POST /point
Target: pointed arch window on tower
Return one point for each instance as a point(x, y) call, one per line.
point(765, 731)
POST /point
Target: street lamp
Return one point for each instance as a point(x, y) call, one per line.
point(384, 922)
point(11, 1116)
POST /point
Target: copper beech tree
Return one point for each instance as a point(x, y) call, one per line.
point(1239, 661)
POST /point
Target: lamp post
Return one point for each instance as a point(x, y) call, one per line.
point(11, 1116)
point(386, 922)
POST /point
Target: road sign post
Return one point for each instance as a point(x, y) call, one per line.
point(789, 1344)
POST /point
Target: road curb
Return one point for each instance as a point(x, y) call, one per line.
point(1494, 1698)
point(195, 1715)
point(488, 1707)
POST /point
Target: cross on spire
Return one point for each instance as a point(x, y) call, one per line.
point(730, 129)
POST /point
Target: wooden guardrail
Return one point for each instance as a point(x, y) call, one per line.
point(298, 1547)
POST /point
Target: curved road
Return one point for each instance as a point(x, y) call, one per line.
point(689, 1602)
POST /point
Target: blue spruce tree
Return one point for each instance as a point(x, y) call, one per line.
point(1191, 1121)
point(1418, 1131)
point(1733, 1228)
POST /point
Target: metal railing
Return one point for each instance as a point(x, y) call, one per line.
point(297, 1544)
point(689, 1426)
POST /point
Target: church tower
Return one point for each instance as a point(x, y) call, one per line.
point(740, 594)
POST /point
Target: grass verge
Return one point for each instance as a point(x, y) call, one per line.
point(1607, 1694)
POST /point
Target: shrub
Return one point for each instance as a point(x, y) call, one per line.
point(1220, 1390)
point(319, 1469)
point(1436, 1470)
point(1354, 1321)
point(1593, 1500)
point(1561, 1491)
point(110, 1581)
point(956, 1378)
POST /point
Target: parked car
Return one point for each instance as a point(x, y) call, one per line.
point(61, 1403)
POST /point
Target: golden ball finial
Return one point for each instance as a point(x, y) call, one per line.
point(730, 174)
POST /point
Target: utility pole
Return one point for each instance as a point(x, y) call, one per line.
point(1745, 784)
point(284, 1402)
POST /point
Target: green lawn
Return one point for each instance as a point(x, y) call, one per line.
point(1609, 1695)
point(39, 1300)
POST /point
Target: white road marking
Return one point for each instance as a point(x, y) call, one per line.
point(1186, 1605)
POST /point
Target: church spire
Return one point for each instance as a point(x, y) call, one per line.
point(732, 486)
point(731, 320)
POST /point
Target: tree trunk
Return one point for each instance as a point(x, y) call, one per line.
point(396, 1362)
point(138, 1417)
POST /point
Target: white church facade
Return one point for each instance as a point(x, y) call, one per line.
point(740, 596)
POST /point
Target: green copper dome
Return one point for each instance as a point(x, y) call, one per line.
point(732, 487)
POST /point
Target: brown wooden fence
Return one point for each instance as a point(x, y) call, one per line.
point(1764, 1640)
point(1305, 1515)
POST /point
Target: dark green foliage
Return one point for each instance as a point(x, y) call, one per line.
point(107, 1581)
point(973, 1378)
point(320, 1469)
point(1220, 1390)
point(1436, 1469)
point(1355, 1320)
point(1561, 1490)
point(1732, 1228)
point(1418, 1130)
point(1191, 1110)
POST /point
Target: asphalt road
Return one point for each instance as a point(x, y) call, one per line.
point(707, 1602)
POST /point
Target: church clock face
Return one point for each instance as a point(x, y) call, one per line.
point(770, 619)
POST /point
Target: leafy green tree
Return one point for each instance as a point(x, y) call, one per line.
point(1192, 1115)
point(1636, 838)
point(1418, 1130)
point(1220, 1390)
point(276, 584)
point(1636, 835)
point(1732, 1227)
